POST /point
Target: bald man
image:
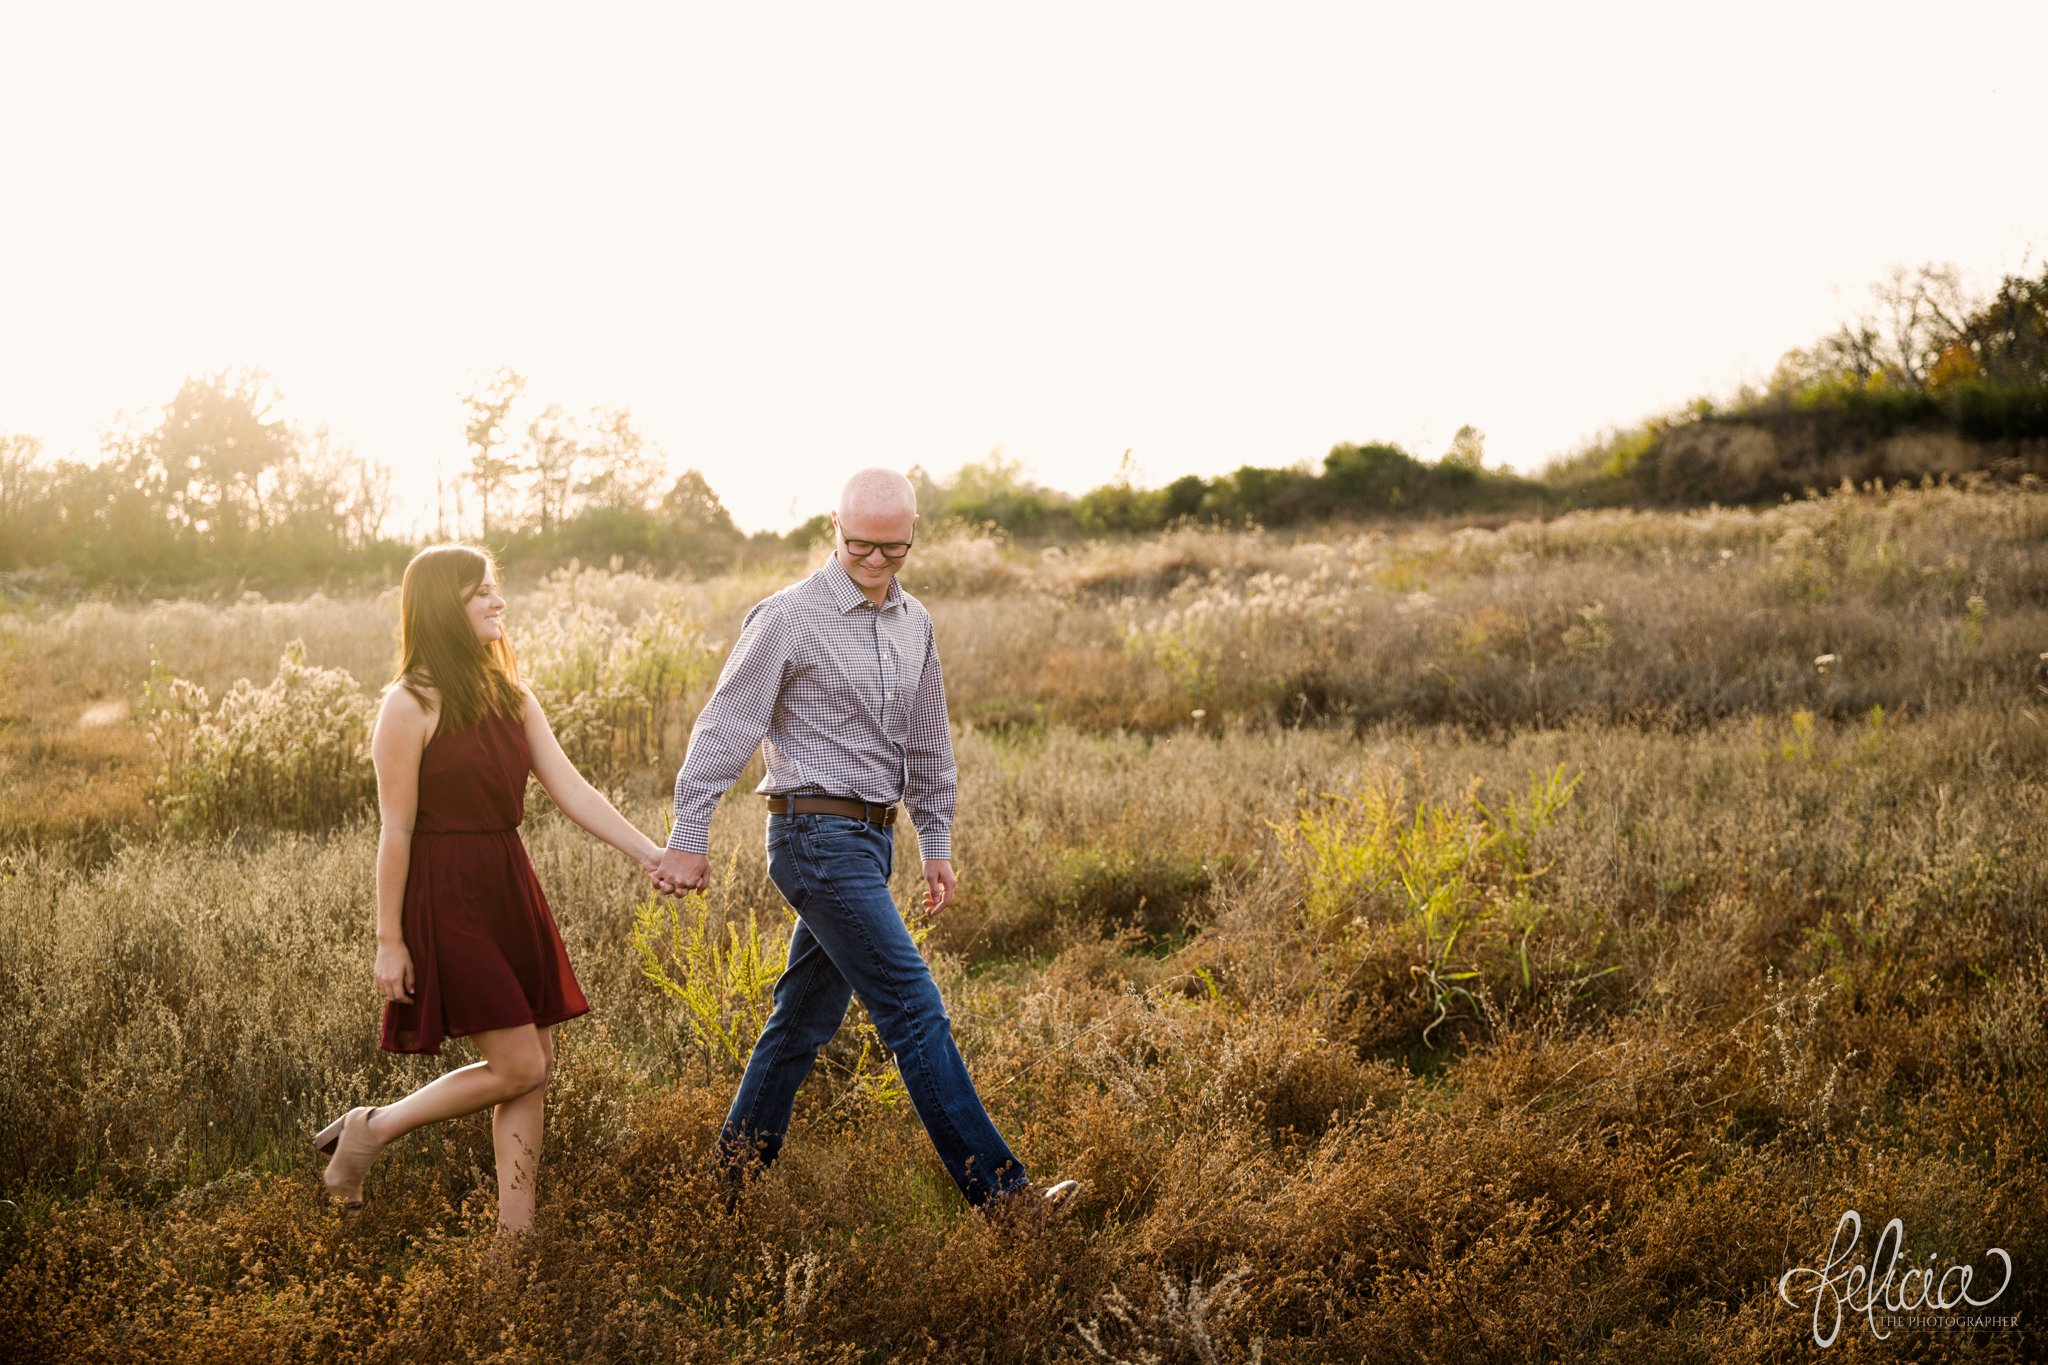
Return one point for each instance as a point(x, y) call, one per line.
point(839, 676)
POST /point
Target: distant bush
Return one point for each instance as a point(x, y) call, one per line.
point(995, 491)
point(1371, 475)
point(613, 692)
point(1120, 509)
point(292, 755)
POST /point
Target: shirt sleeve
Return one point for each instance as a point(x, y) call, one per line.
point(932, 780)
point(732, 724)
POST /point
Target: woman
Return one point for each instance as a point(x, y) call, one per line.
point(466, 946)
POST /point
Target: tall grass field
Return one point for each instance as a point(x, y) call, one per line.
point(1523, 943)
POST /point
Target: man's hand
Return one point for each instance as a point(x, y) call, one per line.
point(939, 883)
point(678, 872)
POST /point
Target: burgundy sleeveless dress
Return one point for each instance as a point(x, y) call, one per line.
point(485, 951)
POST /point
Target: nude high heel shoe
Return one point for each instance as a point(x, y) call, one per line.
point(324, 1140)
point(348, 1138)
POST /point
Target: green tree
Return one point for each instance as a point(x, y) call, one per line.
point(691, 509)
point(1184, 497)
point(215, 449)
point(1370, 477)
point(1896, 342)
point(994, 489)
point(625, 467)
point(1120, 506)
point(21, 488)
point(2003, 342)
point(491, 465)
point(554, 454)
point(329, 496)
point(112, 519)
point(1467, 452)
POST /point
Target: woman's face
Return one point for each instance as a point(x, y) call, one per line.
point(487, 609)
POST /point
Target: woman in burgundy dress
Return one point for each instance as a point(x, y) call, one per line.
point(466, 946)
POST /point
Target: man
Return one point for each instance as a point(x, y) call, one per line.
point(840, 675)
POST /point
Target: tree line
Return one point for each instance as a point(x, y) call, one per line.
point(218, 488)
point(1922, 356)
point(1352, 481)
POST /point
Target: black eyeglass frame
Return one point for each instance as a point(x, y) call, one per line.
point(874, 545)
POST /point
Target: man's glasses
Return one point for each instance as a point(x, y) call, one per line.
point(891, 549)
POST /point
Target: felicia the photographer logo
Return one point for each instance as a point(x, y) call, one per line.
point(1890, 1289)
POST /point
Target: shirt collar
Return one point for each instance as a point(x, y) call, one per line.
point(846, 594)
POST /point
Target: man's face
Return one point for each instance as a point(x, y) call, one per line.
point(874, 569)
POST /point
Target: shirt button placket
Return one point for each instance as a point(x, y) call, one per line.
point(887, 657)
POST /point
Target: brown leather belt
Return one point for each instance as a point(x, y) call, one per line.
point(884, 816)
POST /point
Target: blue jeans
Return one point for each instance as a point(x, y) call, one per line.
point(850, 940)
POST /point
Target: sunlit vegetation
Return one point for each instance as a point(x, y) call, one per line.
point(1926, 381)
point(1513, 943)
point(213, 492)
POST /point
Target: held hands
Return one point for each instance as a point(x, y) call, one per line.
point(675, 872)
point(394, 973)
point(939, 884)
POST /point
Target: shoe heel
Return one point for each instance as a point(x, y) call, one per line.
point(325, 1140)
point(354, 1151)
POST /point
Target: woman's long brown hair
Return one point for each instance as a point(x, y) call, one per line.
point(437, 646)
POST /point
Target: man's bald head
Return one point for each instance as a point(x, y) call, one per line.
point(877, 494)
point(877, 507)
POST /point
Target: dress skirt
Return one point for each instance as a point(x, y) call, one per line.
point(485, 950)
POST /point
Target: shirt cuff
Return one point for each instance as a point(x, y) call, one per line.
point(688, 838)
point(935, 843)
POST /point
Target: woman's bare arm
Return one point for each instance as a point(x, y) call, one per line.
point(404, 726)
point(580, 801)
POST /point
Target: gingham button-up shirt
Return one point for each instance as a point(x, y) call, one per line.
point(847, 696)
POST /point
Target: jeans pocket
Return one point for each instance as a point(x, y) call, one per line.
point(837, 829)
point(784, 872)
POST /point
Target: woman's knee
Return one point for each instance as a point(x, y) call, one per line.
point(522, 1072)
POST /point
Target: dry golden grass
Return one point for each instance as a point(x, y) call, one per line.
point(1778, 955)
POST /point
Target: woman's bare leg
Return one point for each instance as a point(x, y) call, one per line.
point(515, 1062)
point(511, 1081)
point(516, 1129)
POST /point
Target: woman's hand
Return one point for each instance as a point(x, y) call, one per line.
point(648, 857)
point(394, 972)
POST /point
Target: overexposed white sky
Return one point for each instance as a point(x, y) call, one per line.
point(796, 239)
